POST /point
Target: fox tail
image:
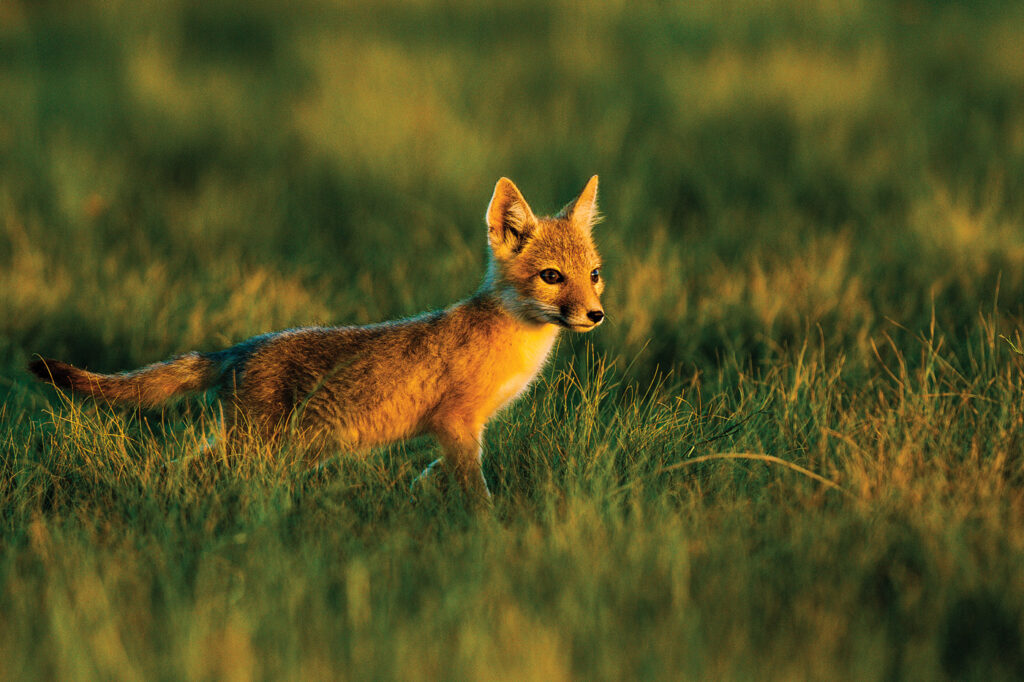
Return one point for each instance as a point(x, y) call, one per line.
point(148, 386)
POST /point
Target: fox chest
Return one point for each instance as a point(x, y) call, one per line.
point(517, 367)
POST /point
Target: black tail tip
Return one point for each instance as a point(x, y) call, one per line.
point(49, 370)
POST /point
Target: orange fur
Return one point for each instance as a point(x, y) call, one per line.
point(444, 373)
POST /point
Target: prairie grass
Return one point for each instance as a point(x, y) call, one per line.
point(794, 450)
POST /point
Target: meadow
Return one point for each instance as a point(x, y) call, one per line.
point(793, 451)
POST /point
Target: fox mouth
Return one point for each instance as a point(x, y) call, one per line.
point(576, 326)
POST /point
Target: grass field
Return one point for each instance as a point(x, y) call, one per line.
point(793, 452)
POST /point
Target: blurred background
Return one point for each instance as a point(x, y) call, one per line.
point(813, 242)
point(179, 174)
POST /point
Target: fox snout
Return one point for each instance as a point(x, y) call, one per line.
point(583, 311)
point(581, 320)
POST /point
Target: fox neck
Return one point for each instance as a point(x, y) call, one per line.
point(535, 337)
point(496, 289)
point(525, 346)
point(492, 285)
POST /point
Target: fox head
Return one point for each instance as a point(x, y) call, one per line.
point(546, 270)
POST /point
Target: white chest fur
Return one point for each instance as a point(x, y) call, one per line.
point(526, 357)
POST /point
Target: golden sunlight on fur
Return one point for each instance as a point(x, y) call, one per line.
point(444, 373)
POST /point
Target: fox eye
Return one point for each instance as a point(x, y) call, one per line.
point(552, 276)
point(595, 275)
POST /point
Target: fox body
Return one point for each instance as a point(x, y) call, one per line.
point(444, 373)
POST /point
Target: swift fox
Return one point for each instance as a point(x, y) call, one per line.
point(444, 373)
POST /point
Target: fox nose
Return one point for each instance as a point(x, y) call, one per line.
point(596, 315)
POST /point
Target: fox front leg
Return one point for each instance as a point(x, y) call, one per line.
point(463, 460)
point(435, 475)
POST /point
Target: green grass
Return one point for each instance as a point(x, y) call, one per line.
point(814, 239)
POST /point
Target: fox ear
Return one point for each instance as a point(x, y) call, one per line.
point(510, 222)
point(583, 209)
